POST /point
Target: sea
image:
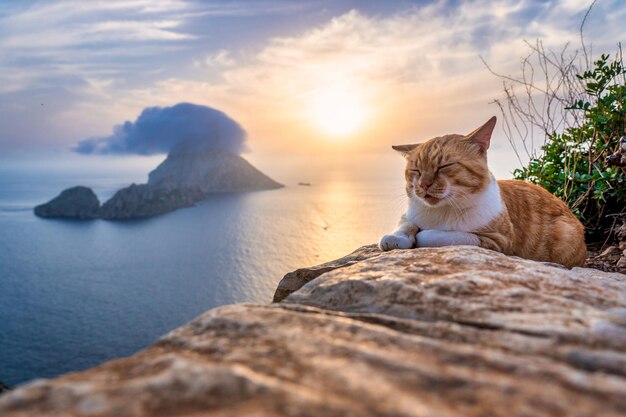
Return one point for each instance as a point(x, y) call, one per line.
point(74, 294)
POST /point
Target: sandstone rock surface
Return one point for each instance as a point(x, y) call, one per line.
point(457, 331)
point(76, 202)
point(295, 280)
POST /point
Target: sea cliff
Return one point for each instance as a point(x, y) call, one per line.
point(455, 331)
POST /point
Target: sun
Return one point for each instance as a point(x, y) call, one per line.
point(337, 112)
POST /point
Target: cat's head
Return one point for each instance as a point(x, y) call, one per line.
point(447, 170)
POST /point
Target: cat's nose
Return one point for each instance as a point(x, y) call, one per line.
point(424, 183)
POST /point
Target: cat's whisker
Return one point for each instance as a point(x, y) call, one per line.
point(399, 201)
point(455, 205)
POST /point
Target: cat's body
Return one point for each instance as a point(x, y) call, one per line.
point(455, 200)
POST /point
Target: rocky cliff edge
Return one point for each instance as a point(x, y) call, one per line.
point(456, 331)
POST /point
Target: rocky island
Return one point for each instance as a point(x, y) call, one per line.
point(184, 178)
point(454, 331)
point(74, 203)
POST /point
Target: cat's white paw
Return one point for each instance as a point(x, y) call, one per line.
point(389, 242)
point(436, 238)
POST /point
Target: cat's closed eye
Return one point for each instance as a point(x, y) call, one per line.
point(446, 166)
point(414, 171)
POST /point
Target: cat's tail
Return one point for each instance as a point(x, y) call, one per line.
point(569, 247)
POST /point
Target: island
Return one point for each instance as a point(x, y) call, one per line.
point(185, 177)
point(76, 202)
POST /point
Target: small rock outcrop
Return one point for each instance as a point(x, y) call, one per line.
point(76, 202)
point(456, 331)
point(295, 280)
point(184, 178)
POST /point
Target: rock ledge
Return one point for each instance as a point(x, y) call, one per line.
point(457, 331)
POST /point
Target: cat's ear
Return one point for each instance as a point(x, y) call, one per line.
point(405, 150)
point(482, 135)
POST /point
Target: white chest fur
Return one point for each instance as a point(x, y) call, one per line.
point(477, 211)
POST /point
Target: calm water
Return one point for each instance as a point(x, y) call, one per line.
point(76, 293)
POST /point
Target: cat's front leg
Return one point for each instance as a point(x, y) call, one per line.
point(396, 240)
point(436, 238)
point(402, 238)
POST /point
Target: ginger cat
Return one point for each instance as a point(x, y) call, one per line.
point(455, 200)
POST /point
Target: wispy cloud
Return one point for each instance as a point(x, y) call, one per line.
point(70, 23)
point(92, 34)
point(24, 14)
point(82, 40)
point(220, 59)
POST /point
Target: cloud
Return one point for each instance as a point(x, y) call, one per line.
point(419, 69)
point(69, 24)
point(158, 130)
point(426, 46)
point(219, 59)
point(51, 49)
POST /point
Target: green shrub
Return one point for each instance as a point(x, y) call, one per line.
point(572, 164)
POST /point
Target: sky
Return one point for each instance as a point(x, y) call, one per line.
point(305, 79)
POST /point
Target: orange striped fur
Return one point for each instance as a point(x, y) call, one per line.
point(454, 199)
